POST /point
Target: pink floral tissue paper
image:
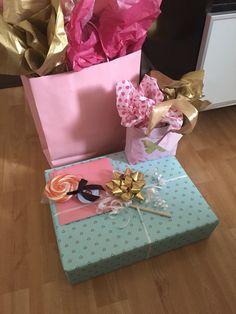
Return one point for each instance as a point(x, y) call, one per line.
point(134, 105)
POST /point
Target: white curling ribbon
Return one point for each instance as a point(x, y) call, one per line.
point(115, 206)
point(175, 178)
point(160, 180)
point(152, 193)
point(110, 204)
point(149, 241)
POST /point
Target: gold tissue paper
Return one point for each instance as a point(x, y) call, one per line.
point(32, 41)
point(18, 10)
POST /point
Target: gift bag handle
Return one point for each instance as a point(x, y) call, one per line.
point(169, 131)
point(100, 39)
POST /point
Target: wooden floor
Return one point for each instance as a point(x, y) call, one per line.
point(197, 279)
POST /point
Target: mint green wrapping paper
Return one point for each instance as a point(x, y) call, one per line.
point(99, 244)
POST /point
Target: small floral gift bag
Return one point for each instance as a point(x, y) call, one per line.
point(135, 105)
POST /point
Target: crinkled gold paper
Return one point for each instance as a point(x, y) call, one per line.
point(36, 44)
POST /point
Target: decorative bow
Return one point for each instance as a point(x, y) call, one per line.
point(84, 189)
point(127, 185)
point(184, 95)
point(189, 87)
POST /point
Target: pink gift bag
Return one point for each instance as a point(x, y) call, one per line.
point(75, 113)
point(160, 143)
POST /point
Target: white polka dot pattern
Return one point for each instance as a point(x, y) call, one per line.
point(97, 245)
point(135, 104)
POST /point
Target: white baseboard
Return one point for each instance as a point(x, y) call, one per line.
point(220, 105)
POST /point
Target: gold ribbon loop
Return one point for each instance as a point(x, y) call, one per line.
point(182, 105)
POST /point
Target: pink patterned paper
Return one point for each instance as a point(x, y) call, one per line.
point(134, 104)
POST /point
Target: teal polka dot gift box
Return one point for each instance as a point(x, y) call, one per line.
point(105, 242)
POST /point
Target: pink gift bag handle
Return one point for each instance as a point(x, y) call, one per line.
point(171, 130)
point(100, 39)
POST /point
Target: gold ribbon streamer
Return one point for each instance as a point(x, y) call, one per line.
point(127, 185)
point(182, 105)
point(184, 95)
point(36, 44)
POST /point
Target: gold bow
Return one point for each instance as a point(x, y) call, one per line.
point(32, 41)
point(189, 87)
point(127, 185)
point(184, 95)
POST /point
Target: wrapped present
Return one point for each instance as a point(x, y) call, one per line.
point(157, 113)
point(105, 242)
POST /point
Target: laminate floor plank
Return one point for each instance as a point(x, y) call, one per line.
point(196, 279)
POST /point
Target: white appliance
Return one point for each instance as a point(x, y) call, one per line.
point(217, 57)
